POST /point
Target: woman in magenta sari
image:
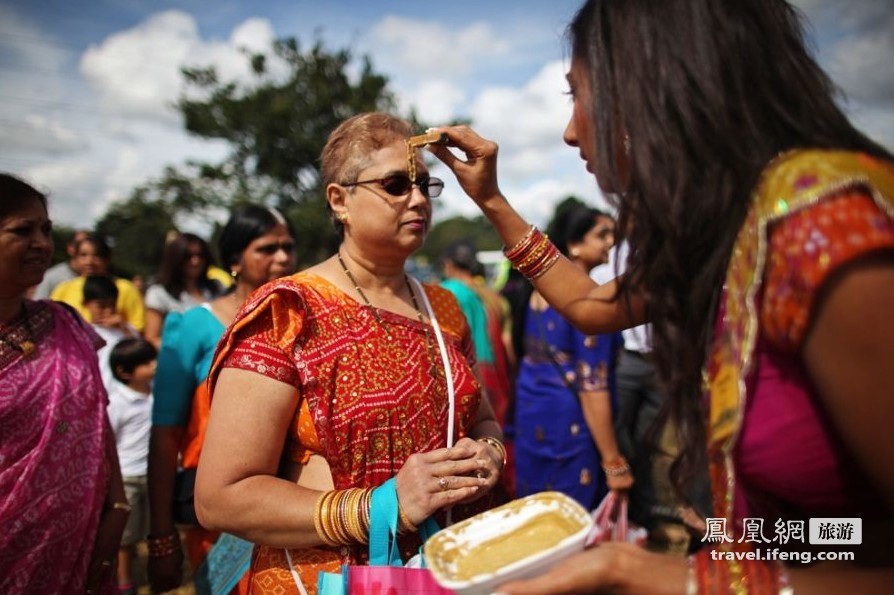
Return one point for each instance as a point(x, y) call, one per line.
point(62, 502)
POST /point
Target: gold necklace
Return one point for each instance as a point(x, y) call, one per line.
point(26, 346)
point(362, 295)
point(434, 370)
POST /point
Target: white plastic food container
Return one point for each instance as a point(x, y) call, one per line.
point(517, 540)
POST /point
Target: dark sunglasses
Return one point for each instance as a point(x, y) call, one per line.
point(400, 185)
point(271, 249)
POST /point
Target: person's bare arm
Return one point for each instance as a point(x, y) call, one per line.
point(112, 521)
point(152, 330)
point(571, 291)
point(848, 353)
point(597, 408)
point(165, 572)
point(237, 490)
point(848, 356)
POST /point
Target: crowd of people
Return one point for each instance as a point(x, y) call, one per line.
point(731, 363)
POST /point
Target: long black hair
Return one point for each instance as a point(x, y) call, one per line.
point(246, 224)
point(15, 192)
point(701, 95)
point(176, 254)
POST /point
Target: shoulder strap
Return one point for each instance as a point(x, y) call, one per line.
point(451, 391)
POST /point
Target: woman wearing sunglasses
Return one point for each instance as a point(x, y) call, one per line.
point(334, 380)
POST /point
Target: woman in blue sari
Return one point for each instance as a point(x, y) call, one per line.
point(566, 384)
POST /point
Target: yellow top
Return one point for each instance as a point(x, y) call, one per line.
point(218, 274)
point(130, 300)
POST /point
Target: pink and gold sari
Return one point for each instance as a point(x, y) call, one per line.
point(774, 453)
point(53, 470)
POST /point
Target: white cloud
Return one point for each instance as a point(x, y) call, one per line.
point(877, 123)
point(91, 137)
point(22, 41)
point(529, 116)
point(39, 133)
point(74, 186)
point(855, 44)
point(254, 35)
point(137, 72)
point(435, 101)
point(411, 48)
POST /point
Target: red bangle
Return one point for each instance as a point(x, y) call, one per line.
point(159, 547)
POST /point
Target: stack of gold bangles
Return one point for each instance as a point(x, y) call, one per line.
point(341, 517)
point(533, 255)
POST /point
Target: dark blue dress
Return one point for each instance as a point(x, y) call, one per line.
point(554, 449)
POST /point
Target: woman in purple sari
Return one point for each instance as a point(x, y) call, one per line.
point(62, 502)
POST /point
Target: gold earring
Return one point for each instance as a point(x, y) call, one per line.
point(342, 217)
point(575, 252)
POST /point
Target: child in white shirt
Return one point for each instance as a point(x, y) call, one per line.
point(132, 362)
point(101, 302)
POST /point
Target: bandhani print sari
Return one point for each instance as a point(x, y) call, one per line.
point(372, 392)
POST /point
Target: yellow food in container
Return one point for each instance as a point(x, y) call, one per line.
point(522, 538)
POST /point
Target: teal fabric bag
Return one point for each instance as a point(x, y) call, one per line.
point(386, 572)
point(223, 567)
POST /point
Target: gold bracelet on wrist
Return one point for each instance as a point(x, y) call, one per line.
point(405, 525)
point(501, 450)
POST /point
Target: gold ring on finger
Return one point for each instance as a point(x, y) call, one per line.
point(443, 483)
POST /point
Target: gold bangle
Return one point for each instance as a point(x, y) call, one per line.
point(321, 510)
point(501, 450)
point(616, 467)
point(405, 525)
point(515, 247)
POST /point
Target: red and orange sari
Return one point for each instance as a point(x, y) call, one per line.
point(372, 392)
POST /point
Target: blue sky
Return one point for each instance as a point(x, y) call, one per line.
point(86, 87)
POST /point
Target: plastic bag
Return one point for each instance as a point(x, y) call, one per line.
point(610, 522)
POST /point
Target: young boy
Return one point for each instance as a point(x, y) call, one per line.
point(132, 362)
point(100, 300)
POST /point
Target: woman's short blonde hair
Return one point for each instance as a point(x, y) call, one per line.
point(347, 151)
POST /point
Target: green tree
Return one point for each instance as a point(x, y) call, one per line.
point(477, 229)
point(275, 126)
point(135, 229)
